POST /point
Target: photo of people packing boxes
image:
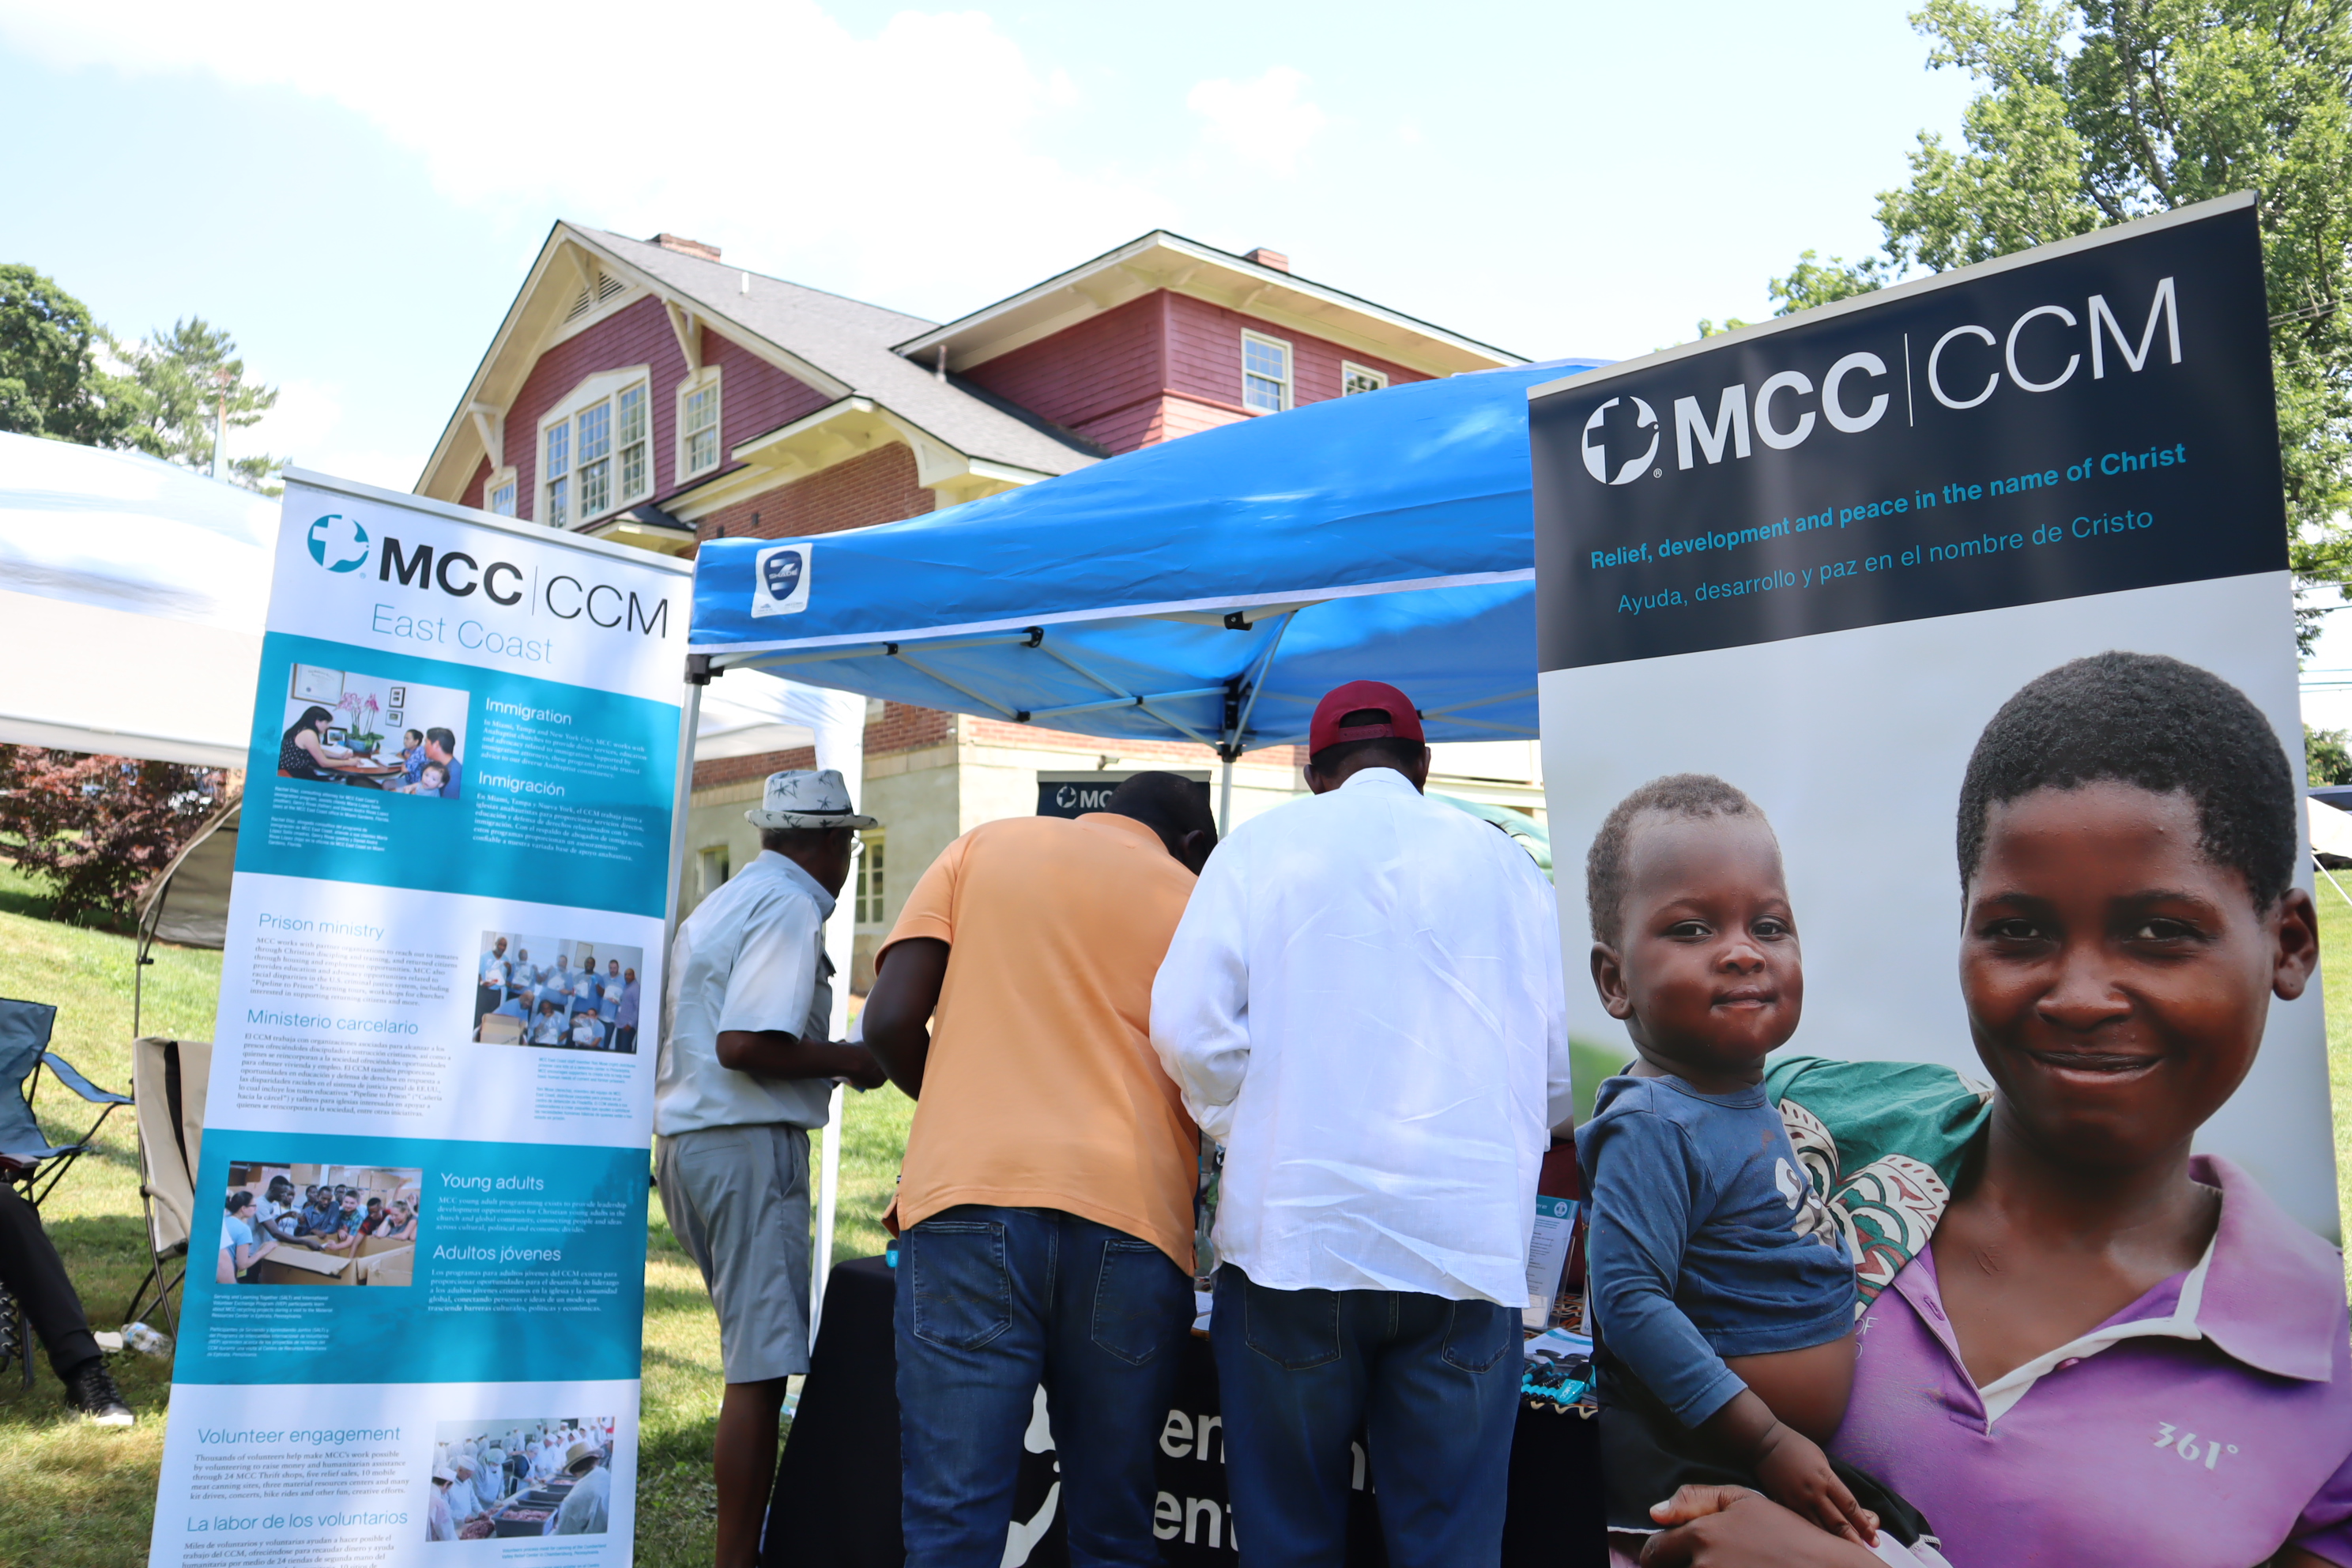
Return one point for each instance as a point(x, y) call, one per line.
point(546, 1476)
point(318, 1225)
point(345, 728)
point(546, 991)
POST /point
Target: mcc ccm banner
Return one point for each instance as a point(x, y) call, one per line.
point(1815, 559)
point(431, 1092)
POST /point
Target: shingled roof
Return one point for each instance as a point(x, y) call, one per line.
point(851, 341)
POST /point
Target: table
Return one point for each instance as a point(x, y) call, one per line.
point(835, 1503)
point(358, 770)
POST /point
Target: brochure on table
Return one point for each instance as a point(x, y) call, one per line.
point(403, 1014)
point(1815, 559)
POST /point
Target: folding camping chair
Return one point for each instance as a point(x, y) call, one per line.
point(25, 1029)
point(167, 1080)
point(24, 1148)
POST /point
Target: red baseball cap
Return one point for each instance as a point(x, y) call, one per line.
point(1403, 721)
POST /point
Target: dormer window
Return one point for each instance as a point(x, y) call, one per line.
point(1265, 374)
point(594, 449)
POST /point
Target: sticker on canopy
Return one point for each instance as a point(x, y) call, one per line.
point(779, 581)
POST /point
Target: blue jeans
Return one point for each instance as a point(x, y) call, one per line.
point(992, 1303)
point(1434, 1385)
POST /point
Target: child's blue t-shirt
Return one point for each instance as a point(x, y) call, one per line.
point(1706, 1239)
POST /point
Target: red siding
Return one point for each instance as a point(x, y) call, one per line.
point(472, 494)
point(873, 487)
point(1156, 368)
point(734, 770)
point(1204, 355)
point(1088, 375)
point(754, 397)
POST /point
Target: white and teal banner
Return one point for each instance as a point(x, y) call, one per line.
point(423, 1156)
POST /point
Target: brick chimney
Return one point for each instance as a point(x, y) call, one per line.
point(1261, 256)
point(685, 246)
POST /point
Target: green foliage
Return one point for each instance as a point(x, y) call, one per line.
point(1707, 329)
point(52, 382)
point(2326, 756)
point(55, 380)
point(1816, 282)
point(95, 828)
point(2096, 113)
point(189, 376)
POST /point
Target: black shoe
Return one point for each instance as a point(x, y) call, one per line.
point(92, 1390)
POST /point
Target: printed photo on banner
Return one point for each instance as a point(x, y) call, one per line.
point(542, 1475)
point(289, 1223)
point(1945, 871)
point(562, 992)
point(347, 727)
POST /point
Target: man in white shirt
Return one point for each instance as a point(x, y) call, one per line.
point(746, 1069)
point(1363, 1003)
point(490, 981)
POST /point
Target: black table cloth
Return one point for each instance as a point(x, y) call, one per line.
point(835, 1504)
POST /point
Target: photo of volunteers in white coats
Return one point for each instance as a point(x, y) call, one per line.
point(494, 1478)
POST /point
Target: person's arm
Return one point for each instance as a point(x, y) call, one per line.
point(772, 1053)
point(907, 980)
point(1559, 1085)
point(774, 981)
point(1645, 1189)
point(1200, 999)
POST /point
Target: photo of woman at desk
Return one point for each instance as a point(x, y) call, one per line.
point(332, 733)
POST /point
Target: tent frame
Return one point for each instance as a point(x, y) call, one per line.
point(1241, 692)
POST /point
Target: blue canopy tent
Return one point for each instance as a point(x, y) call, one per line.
point(1209, 589)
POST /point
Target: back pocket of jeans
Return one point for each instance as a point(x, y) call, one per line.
point(1477, 1333)
point(1295, 1329)
point(963, 1296)
point(1140, 1301)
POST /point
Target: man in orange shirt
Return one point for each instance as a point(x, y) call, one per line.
point(1045, 1204)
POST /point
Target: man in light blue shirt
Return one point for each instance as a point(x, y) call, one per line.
point(746, 1069)
point(490, 981)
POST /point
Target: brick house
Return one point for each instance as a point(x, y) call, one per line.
point(644, 391)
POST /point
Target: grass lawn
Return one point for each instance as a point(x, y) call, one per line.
point(77, 1496)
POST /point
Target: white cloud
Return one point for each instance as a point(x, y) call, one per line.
point(1265, 123)
point(765, 126)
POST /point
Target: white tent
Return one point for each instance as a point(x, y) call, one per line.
point(131, 602)
point(131, 598)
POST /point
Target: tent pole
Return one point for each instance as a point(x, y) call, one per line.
point(1225, 801)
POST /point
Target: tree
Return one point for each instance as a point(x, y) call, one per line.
point(2326, 756)
point(2100, 112)
point(187, 374)
point(52, 382)
point(96, 828)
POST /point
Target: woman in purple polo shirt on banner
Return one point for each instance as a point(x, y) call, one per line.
point(2112, 1351)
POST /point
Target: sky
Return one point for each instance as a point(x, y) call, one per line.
point(357, 203)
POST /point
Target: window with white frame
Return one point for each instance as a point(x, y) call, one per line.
point(595, 450)
point(1355, 378)
point(498, 492)
point(866, 906)
point(1265, 374)
point(697, 424)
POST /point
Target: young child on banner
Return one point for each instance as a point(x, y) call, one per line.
point(1721, 1290)
point(428, 782)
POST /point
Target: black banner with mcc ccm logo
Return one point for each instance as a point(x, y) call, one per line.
point(2092, 416)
